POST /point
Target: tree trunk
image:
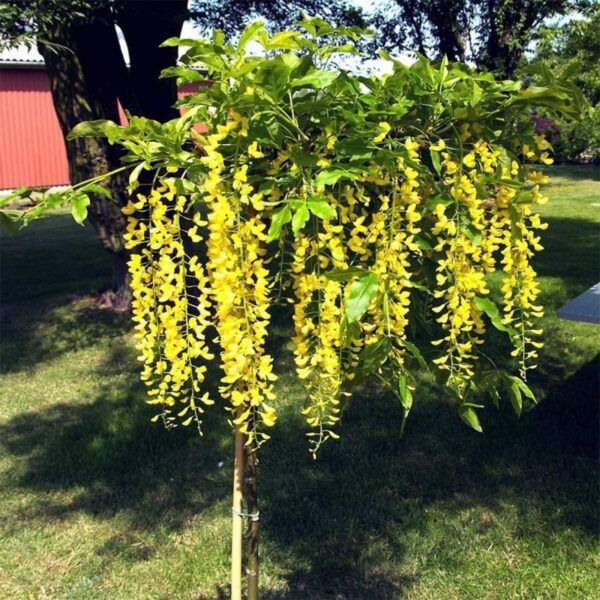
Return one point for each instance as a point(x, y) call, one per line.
point(146, 24)
point(449, 29)
point(84, 75)
point(237, 526)
point(88, 76)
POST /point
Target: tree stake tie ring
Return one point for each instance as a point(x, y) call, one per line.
point(244, 515)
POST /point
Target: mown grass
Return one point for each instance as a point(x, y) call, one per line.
point(97, 502)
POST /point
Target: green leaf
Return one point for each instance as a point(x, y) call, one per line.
point(495, 395)
point(360, 296)
point(79, 204)
point(8, 218)
point(516, 399)
point(349, 332)
point(468, 414)
point(280, 218)
point(406, 400)
point(471, 232)
point(300, 218)
point(97, 189)
point(135, 174)
point(524, 197)
point(98, 128)
point(18, 194)
point(515, 221)
point(326, 51)
point(406, 397)
point(321, 209)
point(346, 274)
point(331, 176)
point(284, 40)
point(423, 243)
point(374, 355)
point(255, 30)
point(416, 354)
point(518, 387)
point(357, 148)
point(184, 74)
point(486, 306)
point(525, 389)
point(436, 161)
point(315, 79)
point(175, 41)
point(170, 42)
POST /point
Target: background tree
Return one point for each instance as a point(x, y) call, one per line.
point(576, 43)
point(88, 79)
point(494, 34)
point(233, 15)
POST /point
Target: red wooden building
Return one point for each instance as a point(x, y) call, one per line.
point(32, 149)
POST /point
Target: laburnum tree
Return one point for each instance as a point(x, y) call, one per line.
point(395, 216)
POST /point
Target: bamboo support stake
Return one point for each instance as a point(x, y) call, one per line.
point(251, 493)
point(237, 518)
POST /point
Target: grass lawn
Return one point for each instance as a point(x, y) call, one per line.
point(97, 502)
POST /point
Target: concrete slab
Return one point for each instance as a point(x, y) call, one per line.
point(585, 308)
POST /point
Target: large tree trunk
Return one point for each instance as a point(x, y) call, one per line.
point(448, 27)
point(146, 24)
point(84, 74)
point(88, 77)
point(509, 30)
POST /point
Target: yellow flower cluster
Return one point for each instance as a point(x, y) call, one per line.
point(378, 229)
point(240, 289)
point(499, 231)
point(171, 305)
point(520, 288)
point(460, 279)
point(392, 261)
point(317, 348)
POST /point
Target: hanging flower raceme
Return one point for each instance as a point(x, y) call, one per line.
point(171, 306)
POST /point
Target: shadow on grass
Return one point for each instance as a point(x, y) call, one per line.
point(48, 272)
point(35, 332)
point(110, 458)
point(338, 525)
point(572, 410)
point(577, 269)
point(578, 172)
point(348, 511)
